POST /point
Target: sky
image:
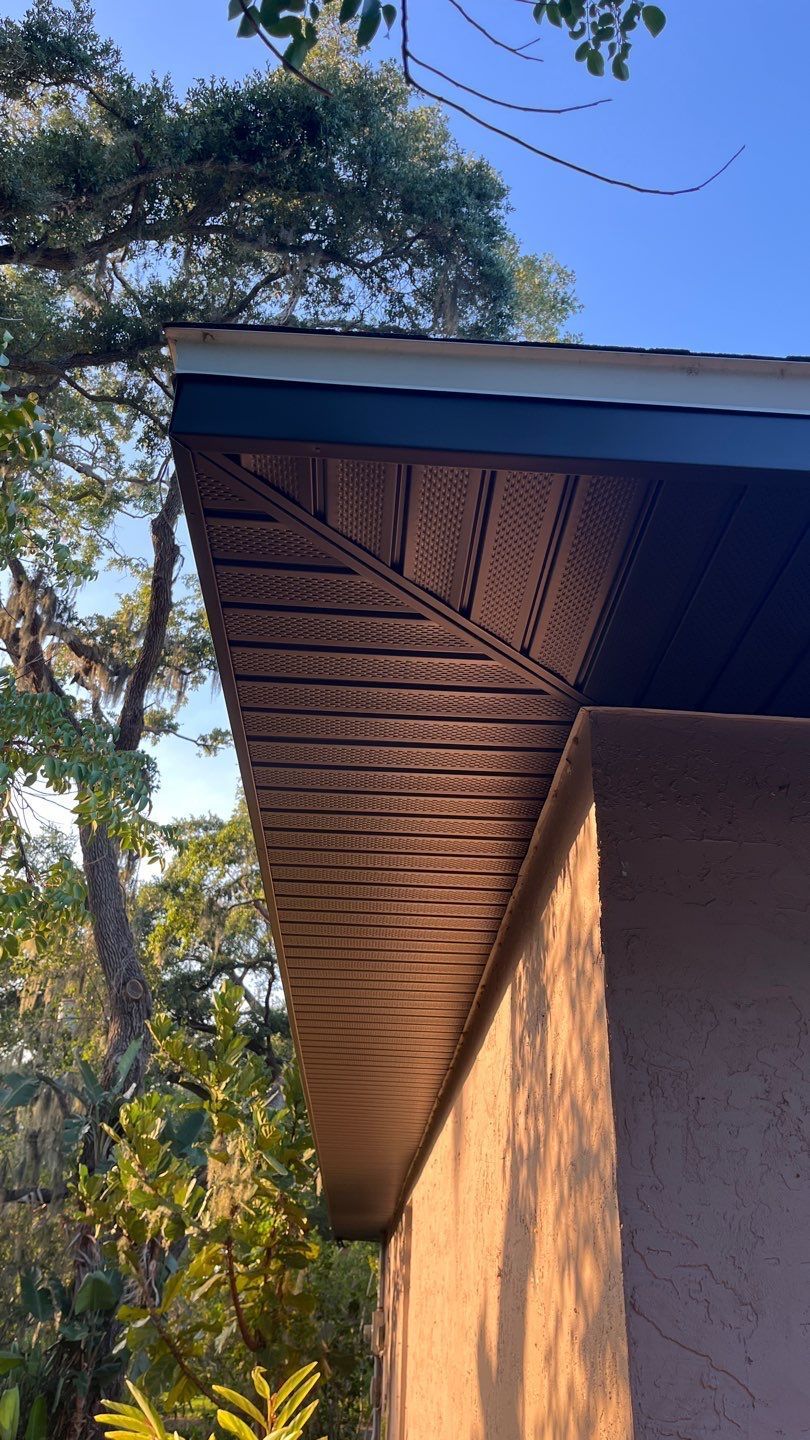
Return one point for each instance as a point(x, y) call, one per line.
point(725, 269)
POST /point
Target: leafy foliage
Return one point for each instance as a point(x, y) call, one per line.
point(177, 1229)
point(261, 201)
point(283, 1415)
point(41, 739)
point(24, 433)
point(204, 1233)
point(230, 1179)
point(601, 27)
point(599, 30)
point(68, 1360)
point(204, 919)
point(43, 743)
point(123, 207)
point(592, 24)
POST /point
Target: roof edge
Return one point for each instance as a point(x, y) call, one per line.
point(674, 379)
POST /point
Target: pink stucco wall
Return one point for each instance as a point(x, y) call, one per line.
point(504, 1304)
point(610, 1234)
point(704, 841)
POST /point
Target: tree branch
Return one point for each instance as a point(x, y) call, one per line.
point(251, 1338)
point(178, 1357)
point(505, 104)
point(493, 39)
point(313, 84)
point(479, 120)
point(131, 718)
point(33, 1195)
point(90, 653)
point(247, 300)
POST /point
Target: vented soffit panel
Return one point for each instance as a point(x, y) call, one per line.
point(412, 594)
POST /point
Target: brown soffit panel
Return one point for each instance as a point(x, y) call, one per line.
point(398, 730)
point(404, 648)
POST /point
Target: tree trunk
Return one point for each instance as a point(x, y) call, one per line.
point(130, 999)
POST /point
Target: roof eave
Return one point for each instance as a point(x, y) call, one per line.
point(674, 380)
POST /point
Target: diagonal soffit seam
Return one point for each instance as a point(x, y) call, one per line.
point(527, 672)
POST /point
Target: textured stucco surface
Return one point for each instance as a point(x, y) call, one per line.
point(505, 1315)
point(704, 840)
point(610, 1237)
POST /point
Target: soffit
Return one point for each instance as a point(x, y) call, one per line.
point(404, 649)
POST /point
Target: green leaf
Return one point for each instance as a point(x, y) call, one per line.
point(620, 68)
point(596, 63)
point(653, 18)
point(125, 1422)
point(97, 1291)
point(553, 12)
point(37, 1427)
point(148, 1410)
point(234, 9)
point(91, 1083)
point(240, 1401)
point(18, 1090)
point(127, 1060)
point(9, 1414)
point(348, 10)
point(10, 1360)
point(303, 1416)
point(260, 1385)
point(249, 24)
point(370, 22)
point(583, 51)
point(296, 1400)
point(234, 1425)
point(389, 14)
point(293, 1382)
point(288, 27)
point(36, 1298)
point(185, 1131)
point(71, 1330)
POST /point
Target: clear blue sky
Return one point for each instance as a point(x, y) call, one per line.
point(726, 269)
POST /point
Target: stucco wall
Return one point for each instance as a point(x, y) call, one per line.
point(610, 1236)
point(505, 1316)
point(704, 839)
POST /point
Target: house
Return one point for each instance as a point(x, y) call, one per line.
point(515, 642)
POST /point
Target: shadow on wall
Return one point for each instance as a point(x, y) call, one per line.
point(397, 1284)
point(551, 1342)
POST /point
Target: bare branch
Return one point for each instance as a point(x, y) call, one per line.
point(493, 39)
point(535, 149)
point(247, 300)
point(505, 104)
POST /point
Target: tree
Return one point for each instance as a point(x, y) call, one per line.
point(123, 207)
point(598, 28)
point(205, 920)
point(601, 31)
point(42, 739)
point(207, 1233)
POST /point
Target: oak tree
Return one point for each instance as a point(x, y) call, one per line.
point(125, 206)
